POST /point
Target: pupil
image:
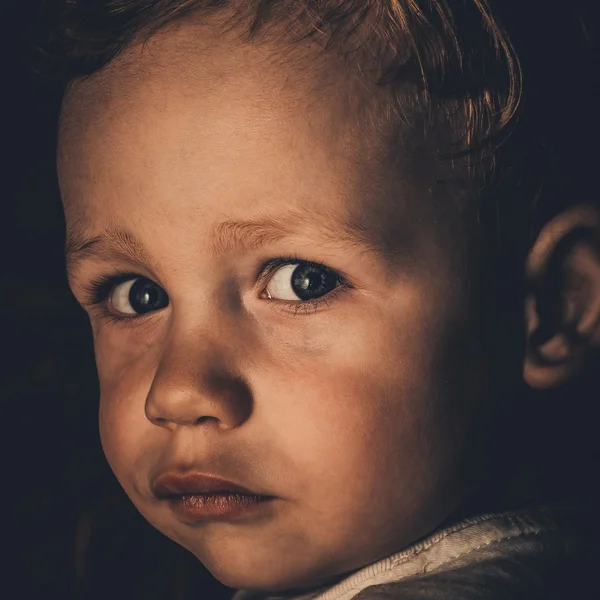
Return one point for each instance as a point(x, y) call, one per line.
point(144, 296)
point(309, 282)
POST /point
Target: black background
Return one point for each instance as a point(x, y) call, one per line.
point(70, 527)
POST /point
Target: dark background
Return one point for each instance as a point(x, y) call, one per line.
point(70, 527)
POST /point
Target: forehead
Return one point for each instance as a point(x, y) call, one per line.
point(183, 97)
point(188, 129)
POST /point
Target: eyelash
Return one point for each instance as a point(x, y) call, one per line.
point(98, 292)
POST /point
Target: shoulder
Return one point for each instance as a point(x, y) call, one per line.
point(493, 580)
point(531, 563)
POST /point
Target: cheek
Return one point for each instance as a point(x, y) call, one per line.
point(125, 376)
point(371, 406)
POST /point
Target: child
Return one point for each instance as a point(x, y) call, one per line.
point(288, 223)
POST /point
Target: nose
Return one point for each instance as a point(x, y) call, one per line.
point(193, 385)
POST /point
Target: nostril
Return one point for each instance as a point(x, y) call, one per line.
point(159, 421)
point(201, 420)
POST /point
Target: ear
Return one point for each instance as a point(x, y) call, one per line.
point(562, 304)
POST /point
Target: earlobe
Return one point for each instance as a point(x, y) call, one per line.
point(562, 305)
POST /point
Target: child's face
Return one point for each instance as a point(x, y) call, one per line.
point(353, 416)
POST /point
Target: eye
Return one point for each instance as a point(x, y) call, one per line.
point(137, 296)
point(301, 281)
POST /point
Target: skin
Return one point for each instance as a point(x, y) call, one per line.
point(356, 415)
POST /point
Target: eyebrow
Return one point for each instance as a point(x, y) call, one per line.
point(227, 237)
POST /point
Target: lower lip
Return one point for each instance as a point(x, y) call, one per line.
point(212, 507)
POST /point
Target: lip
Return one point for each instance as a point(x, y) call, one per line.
point(196, 497)
point(172, 485)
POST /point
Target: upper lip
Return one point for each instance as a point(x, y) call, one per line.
point(170, 485)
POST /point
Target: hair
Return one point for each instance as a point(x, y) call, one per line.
point(456, 54)
point(454, 51)
point(450, 60)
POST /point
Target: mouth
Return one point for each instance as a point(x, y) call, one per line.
point(196, 497)
point(169, 485)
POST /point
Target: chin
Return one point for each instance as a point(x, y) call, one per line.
point(274, 575)
point(263, 578)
